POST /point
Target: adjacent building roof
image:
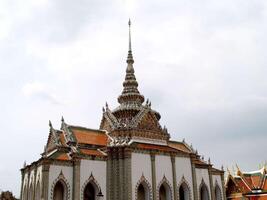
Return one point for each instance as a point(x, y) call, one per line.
point(247, 183)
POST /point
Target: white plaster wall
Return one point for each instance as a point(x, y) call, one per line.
point(54, 172)
point(202, 174)
point(183, 168)
point(163, 168)
point(97, 169)
point(141, 165)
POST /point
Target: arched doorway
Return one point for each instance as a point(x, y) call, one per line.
point(59, 191)
point(183, 192)
point(204, 193)
point(164, 192)
point(218, 194)
point(90, 192)
point(141, 195)
point(143, 192)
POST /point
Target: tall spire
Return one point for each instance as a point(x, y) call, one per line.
point(130, 55)
point(130, 93)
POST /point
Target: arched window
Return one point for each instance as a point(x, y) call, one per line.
point(59, 191)
point(164, 192)
point(90, 191)
point(184, 192)
point(38, 191)
point(218, 194)
point(204, 193)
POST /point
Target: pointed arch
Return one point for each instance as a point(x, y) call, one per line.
point(146, 186)
point(164, 189)
point(61, 181)
point(217, 191)
point(184, 191)
point(203, 191)
point(90, 184)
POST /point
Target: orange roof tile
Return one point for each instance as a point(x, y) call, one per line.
point(256, 181)
point(241, 184)
point(264, 187)
point(63, 156)
point(90, 137)
point(248, 181)
point(92, 152)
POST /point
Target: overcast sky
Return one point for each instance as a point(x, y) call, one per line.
point(201, 63)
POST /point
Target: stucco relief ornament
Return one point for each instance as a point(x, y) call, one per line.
point(146, 184)
point(118, 141)
point(164, 181)
point(184, 182)
point(65, 182)
point(93, 181)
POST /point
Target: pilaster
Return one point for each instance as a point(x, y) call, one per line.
point(223, 186)
point(121, 170)
point(117, 176)
point(194, 178)
point(28, 184)
point(127, 174)
point(174, 177)
point(76, 179)
point(212, 191)
point(153, 170)
point(109, 176)
point(45, 181)
point(22, 181)
point(34, 182)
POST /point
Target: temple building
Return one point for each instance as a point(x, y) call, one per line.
point(247, 185)
point(130, 157)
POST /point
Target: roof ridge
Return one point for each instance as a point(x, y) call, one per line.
point(86, 128)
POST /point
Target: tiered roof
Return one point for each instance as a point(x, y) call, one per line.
point(132, 114)
point(247, 183)
point(133, 124)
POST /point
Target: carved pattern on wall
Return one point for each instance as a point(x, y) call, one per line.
point(94, 182)
point(165, 181)
point(183, 181)
point(146, 184)
point(65, 183)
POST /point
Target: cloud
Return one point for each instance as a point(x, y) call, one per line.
point(201, 63)
point(39, 91)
